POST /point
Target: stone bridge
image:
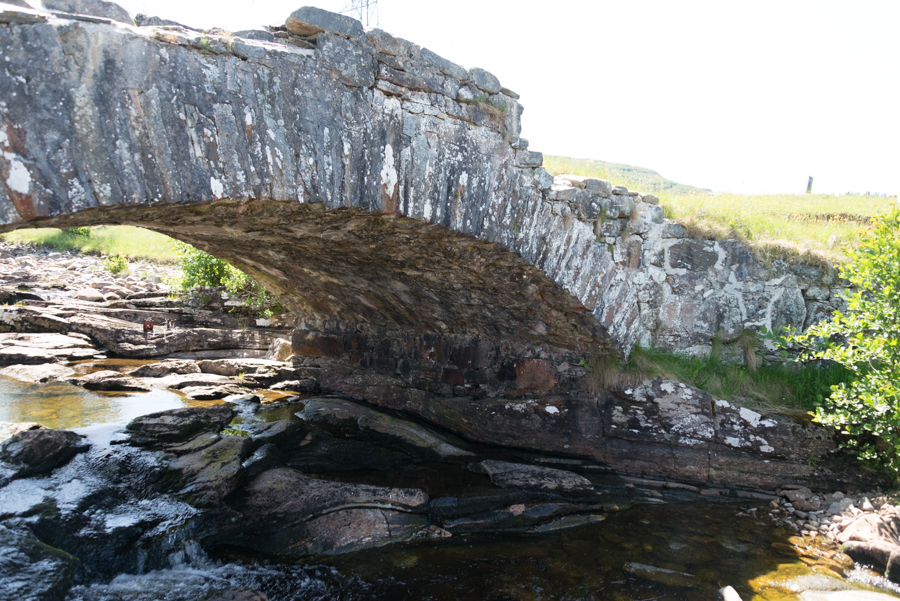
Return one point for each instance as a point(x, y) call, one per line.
point(385, 195)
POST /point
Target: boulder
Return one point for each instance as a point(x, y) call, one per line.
point(212, 393)
point(89, 294)
point(178, 424)
point(111, 381)
point(303, 385)
point(39, 451)
point(532, 477)
point(94, 8)
point(309, 20)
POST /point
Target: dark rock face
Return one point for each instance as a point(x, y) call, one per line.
point(38, 451)
point(532, 477)
point(33, 571)
point(295, 513)
point(178, 424)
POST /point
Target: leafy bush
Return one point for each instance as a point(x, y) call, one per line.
point(116, 264)
point(203, 269)
point(78, 231)
point(866, 341)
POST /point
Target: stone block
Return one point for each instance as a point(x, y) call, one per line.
point(650, 199)
point(619, 190)
point(509, 93)
point(389, 44)
point(622, 205)
point(529, 158)
point(446, 67)
point(673, 230)
point(350, 61)
point(543, 178)
point(94, 8)
point(484, 80)
point(311, 21)
point(247, 51)
point(561, 192)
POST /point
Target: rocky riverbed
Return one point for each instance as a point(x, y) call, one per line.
point(263, 458)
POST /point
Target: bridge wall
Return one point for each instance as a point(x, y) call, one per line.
point(181, 131)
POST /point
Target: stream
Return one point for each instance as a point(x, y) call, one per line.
point(670, 545)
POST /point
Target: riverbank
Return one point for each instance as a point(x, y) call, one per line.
point(202, 479)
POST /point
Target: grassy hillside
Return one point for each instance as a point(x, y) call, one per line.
point(131, 242)
point(807, 227)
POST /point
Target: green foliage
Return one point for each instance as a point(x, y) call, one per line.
point(78, 231)
point(116, 264)
point(866, 341)
point(203, 269)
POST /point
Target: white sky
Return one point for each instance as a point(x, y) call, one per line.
point(750, 97)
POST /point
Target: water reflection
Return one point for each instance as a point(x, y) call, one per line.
point(63, 406)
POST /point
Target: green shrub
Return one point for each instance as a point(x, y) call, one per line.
point(78, 231)
point(202, 269)
point(866, 341)
point(116, 264)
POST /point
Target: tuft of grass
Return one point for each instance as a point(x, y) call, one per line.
point(789, 386)
point(804, 228)
point(123, 240)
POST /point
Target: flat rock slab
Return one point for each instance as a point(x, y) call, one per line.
point(212, 393)
point(532, 477)
point(38, 451)
point(109, 380)
point(37, 373)
point(164, 368)
point(339, 410)
point(18, 348)
point(214, 472)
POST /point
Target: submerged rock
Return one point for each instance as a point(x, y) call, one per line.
point(532, 477)
point(38, 451)
point(33, 571)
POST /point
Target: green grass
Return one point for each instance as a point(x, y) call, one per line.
point(124, 240)
point(791, 386)
point(809, 228)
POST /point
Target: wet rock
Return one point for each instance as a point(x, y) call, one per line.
point(333, 410)
point(110, 380)
point(238, 595)
point(304, 385)
point(33, 571)
point(37, 373)
point(661, 575)
point(164, 368)
point(286, 513)
point(280, 432)
point(532, 477)
point(212, 393)
point(38, 451)
point(178, 424)
point(213, 473)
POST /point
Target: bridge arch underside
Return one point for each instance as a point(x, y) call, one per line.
point(390, 293)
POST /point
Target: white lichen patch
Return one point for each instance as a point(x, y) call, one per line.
point(389, 176)
point(723, 403)
point(751, 417)
point(551, 409)
point(218, 190)
point(734, 442)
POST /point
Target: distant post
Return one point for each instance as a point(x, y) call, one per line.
point(809, 186)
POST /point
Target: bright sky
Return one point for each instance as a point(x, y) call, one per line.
point(749, 97)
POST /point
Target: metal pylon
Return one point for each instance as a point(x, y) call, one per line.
point(364, 10)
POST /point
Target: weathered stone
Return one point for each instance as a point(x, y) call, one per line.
point(37, 373)
point(178, 424)
point(351, 62)
point(110, 381)
point(484, 80)
point(279, 350)
point(310, 20)
point(94, 8)
point(37, 451)
point(32, 570)
point(90, 295)
point(532, 477)
point(212, 393)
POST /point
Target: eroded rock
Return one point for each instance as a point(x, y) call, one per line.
point(178, 424)
point(532, 477)
point(110, 380)
point(38, 451)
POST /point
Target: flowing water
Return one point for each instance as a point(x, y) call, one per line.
point(672, 546)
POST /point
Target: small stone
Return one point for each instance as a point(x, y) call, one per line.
point(729, 594)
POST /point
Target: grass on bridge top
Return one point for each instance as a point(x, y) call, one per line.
point(809, 228)
point(124, 240)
